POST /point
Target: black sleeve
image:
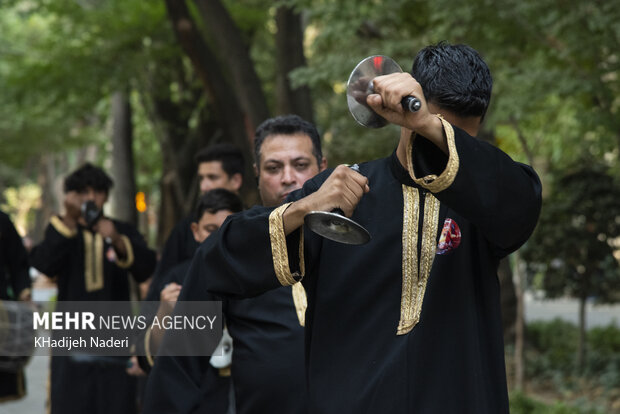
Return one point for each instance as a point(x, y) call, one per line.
point(239, 255)
point(15, 255)
point(500, 196)
point(179, 247)
point(52, 255)
point(144, 259)
point(175, 382)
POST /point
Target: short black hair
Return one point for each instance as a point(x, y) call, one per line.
point(455, 78)
point(87, 176)
point(230, 156)
point(287, 125)
point(216, 200)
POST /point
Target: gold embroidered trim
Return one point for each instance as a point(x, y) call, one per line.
point(62, 228)
point(414, 279)
point(301, 302)
point(279, 250)
point(224, 372)
point(124, 264)
point(432, 182)
point(93, 261)
point(429, 244)
point(147, 347)
point(411, 216)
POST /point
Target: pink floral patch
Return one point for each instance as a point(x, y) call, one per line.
point(450, 237)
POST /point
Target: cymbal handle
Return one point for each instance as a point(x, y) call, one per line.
point(411, 103)
point(338, 211)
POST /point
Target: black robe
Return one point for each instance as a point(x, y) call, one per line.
point(215, 384)
point(179, 247)
point(267, 363)
point(14, 279)
point(87, 268)
point(393, 331)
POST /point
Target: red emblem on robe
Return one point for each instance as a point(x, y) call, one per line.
point(450, 237)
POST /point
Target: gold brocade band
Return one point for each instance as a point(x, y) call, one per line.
point(125, 264)
point(415, 278)
point(93, 261)
point(411, 216)
point(147, 347)
point(279, 250)
point(301, 302)
point(62, 228)
point(432, 182)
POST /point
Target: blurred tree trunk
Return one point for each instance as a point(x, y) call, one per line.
point(236, 59)
point(124, 191)
point(225, 104)
point(581, 348)
point(46, 178)
point(289, 56)
point(178, 142)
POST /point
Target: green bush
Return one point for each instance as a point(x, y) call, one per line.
point(521, 404)
point(552, 347)
point(603, 355)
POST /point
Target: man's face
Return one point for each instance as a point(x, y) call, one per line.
point(211, 175)
point(99, 197)
point(286, 163)
point(208, 223)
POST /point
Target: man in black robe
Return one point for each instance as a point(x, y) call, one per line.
point(14, 285)
point(409, 322)
point(212, 208)
point(91, 262)
point(218, 166)
point(267, 362)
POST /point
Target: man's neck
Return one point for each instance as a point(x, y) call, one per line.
point(471, 125)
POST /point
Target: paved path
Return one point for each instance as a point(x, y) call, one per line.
point(568, 309)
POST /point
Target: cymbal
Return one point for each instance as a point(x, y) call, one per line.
point(359, 86)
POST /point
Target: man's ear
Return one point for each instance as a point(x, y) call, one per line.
point(237, 181)
point(194, 227)
point(323, 164)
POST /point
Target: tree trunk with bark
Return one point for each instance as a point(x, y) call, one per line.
point(290, 55)
point(235, 56)
point(581, 347)
point(123, 194)
point(225, 103)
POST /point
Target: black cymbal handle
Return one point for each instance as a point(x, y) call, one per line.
point(411, 103)
point(338, 211)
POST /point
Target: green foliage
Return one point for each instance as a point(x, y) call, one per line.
point(60, 62)
point(571, 245)
point(553, 63)
point(521, 404)
point(552, 348)
point(604, 356)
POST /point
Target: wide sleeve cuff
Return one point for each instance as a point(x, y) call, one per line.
point(129, 259)
point(432, 182)
point(62, 228)
point(279, 249)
